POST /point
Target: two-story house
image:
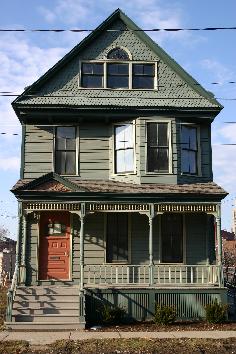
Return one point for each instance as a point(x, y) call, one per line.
point(117, 203)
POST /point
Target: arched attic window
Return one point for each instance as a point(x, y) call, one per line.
point(118, 54)
point(118, 73)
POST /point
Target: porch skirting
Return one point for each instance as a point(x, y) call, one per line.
point(139, 304)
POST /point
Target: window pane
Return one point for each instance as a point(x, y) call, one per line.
point(152, 134)
point(92, 81)
point(70, 163)
point(192, 162)
point(118, 69)
point(162, 159)
point(152, 160)
point(118, 82)
point(137, 69)
point(92, 68)
point(144, 82)
point(120, 161)
point(172, 238)
point(60, 162)
point(120, 137)
point(193, 138)
point(65, 138)
point(163, 134)
point(184, 137)
point(129, 136)
point(129, 160)
point(148, 69)
point(185, 161)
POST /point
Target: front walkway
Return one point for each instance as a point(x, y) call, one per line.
point(42, 338)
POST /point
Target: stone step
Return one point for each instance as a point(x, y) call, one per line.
point(44, 326)
point(37, 304)
point(44, 311)
point(46, 318)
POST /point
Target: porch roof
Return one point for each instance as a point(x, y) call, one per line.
point(54, 183)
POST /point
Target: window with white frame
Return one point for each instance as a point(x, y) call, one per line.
point(124, 148)
point(189, 149)
point(118, 71)
point(65, 150)
point(157, 147)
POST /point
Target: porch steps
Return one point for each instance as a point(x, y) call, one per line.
point(46, 308)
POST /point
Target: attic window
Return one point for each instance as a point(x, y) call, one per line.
point(118, 54)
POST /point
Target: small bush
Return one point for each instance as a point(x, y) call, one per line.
point(164, 315)
point(112, 314)
point(216, 312)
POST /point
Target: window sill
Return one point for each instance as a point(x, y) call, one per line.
point(190, 175)
point(124, 174)
point(116, 89)
point(158, 173)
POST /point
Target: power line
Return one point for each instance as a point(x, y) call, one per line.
point(78, 30)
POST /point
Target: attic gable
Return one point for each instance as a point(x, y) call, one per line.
point(59, 86)
point(51, 182)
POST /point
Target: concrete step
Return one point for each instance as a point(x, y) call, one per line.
point(55, 297)
point(44, 326)
point(46, 318)
point(43, 311)
point(48, 290)
point(37, 304)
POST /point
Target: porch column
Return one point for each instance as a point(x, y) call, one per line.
point(218, 235)
point(81, 242)
point(150, 218)
point(23, 256)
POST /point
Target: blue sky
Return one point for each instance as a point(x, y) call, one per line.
point(207, 56)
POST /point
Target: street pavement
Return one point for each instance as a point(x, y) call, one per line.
point(43, 338)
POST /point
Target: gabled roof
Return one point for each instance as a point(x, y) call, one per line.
point(51, 182)
point(118, 15)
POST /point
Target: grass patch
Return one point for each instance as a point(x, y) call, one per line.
point(126, 346)
point(3, 305)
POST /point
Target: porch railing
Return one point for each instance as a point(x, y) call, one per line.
point(11, 294)
point(156, 275)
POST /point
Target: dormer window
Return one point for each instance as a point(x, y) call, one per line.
point(118, 71)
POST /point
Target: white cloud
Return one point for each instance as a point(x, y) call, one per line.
point(9, 163)
point(146, 13)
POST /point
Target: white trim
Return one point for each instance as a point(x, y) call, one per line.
point(114, 61)
point(170, 152)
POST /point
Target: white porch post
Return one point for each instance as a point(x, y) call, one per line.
point(150, 219)
point(24, 242)
point(82, 218)
point(219, 245)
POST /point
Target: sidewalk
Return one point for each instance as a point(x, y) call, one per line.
point(41, 338)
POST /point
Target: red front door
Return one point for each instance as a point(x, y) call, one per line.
point(54, 245)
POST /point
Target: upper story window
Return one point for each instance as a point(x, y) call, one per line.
point(189, 149)
point(143, 76)
point(157, 147)
point(117, 75)
point(118, 71)
point(124, 148)
point(92, 75)
point(65, 150)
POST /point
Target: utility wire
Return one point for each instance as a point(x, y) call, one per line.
point(76, 30)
